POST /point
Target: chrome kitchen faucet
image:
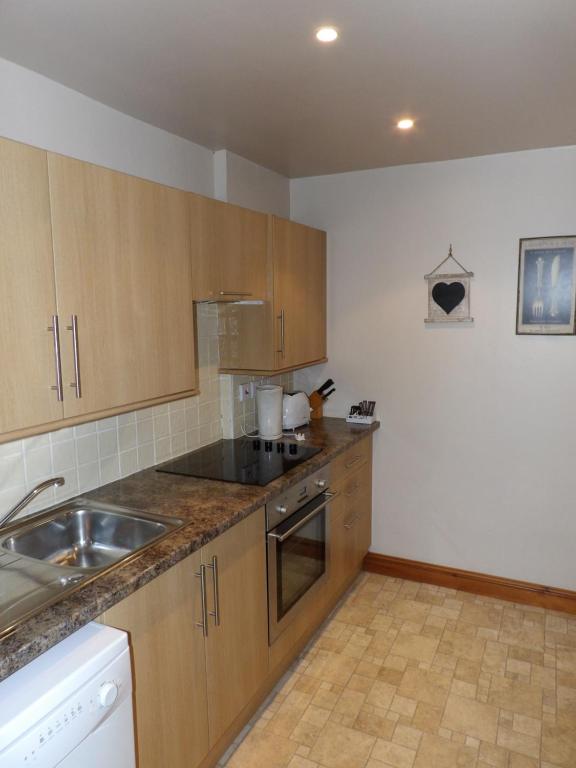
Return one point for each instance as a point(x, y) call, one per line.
point(54, 481)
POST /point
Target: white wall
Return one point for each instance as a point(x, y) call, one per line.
point(474, 463)
point(41, 112)
point(242, 182)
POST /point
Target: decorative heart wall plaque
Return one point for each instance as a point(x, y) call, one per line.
point(448, 295)
point(449, 292)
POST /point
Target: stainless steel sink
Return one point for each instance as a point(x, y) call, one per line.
point(47, 556)
point(86, 536)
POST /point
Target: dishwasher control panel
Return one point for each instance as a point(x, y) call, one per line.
point(48, 742)
point(71, 705)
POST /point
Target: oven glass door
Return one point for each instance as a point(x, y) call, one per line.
point(298, 556)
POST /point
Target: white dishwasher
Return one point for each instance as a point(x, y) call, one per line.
point(72, 706)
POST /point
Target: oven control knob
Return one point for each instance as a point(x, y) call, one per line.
point(321, 483)
point(107, 694)
point(281, 509)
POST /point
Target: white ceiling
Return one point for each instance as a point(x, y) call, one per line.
point(479, 76)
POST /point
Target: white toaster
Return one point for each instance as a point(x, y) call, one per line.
point(295, 410)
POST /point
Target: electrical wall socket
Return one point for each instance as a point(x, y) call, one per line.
point(244, 392)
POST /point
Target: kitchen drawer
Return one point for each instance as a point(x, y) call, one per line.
point(351, 460)
point(352, 489)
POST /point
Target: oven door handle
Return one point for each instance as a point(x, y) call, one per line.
point(282, 537)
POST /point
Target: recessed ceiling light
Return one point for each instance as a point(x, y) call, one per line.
point(405, 124)
point(327, 34)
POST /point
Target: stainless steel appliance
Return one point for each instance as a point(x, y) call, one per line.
point(298, 541)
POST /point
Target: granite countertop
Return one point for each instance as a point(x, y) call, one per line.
point(209, 507)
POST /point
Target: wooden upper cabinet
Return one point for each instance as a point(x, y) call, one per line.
point(289, 330)
point(229, 251)
point(27, 294)
point(122, 258)
point(299, 255)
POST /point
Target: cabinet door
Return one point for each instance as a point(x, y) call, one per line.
point(27, 296)
point(342, 551)
point(123, 269)
point(237, 647)
point(351, 529)
point(168, 665)
point(363, 527)
point(299, 256)
point(229, 251)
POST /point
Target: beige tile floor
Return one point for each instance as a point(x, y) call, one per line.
point(408, 675)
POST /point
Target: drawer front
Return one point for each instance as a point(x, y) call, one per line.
point(352, 459)
point(354, 490)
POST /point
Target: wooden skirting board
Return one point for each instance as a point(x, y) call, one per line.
point(553, 598)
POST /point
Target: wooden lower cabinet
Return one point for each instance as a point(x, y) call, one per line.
point(350, 538)
point(169, 667)
point(341, 554)
point(363, 527)
point(237, 648)
point(194, 693)
point(189, 688)
point(351, 525)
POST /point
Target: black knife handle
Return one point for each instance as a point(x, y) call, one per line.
point(327, 384)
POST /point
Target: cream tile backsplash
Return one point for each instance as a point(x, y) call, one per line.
point(99, 452)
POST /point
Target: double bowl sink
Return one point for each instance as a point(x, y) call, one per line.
point(48, 555)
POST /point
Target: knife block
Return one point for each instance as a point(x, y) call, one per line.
point(316, 405)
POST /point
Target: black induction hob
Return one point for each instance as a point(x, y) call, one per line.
point(246, 460)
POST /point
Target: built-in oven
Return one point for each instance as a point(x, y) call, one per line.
point(298, 543)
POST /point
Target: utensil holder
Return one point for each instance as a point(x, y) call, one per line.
point(360, 419)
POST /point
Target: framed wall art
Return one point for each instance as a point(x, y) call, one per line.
point(449, 292)
point(546, 286)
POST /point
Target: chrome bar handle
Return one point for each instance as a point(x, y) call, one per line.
point(203, 625)
point(282, 318)
point(216, 612)
point(235, 293)
point(355, 460)
point(55, 328)
point(74, 328)
point(329, 496)
point(350, 523)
